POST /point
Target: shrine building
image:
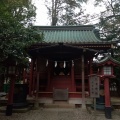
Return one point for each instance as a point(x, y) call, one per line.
point(62, 62)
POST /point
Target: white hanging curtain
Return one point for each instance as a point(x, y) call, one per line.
point(64, 64)
point(55, 63)
point(46, 63)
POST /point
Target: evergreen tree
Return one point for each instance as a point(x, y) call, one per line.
point(16, 32)
point(109, 26)
point(16, 28)
point(65, 12)
point(110, 19)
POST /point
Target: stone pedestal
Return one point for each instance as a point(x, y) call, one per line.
point(108, 111)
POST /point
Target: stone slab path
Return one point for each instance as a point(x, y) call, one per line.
point(58, 114)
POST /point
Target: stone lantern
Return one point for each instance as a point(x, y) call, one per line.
point(106, 72)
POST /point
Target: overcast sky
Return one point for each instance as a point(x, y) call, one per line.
point(42, 18)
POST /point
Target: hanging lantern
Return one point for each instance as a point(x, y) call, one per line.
point(64, 64)
point(46, 63)
point(55, 63)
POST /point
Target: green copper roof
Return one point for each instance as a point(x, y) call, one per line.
point(69, 34)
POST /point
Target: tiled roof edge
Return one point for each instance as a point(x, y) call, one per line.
point(109, 58)
point(80, 27)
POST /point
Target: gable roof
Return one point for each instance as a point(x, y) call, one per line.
point(83, 34)
point(108, 60)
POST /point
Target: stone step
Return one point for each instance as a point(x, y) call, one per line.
point(59, 105)
point(21, 110)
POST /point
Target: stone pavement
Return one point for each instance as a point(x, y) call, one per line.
point(58, 114)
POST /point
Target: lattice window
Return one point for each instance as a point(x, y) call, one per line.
point(107, 70)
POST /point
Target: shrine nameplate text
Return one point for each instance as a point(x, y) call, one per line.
point(94, 86)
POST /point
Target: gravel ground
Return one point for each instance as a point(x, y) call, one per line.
point(58, 114)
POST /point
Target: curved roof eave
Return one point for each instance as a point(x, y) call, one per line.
point(108, 58)
point(69, 34)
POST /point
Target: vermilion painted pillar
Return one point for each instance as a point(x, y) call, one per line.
point(72, 76)
point(83, 83)
point(107, 99)
point(10, 97)
point(37, 84)
point(107, 92)
point(48, 83)
point(33, 84)
point(24, 75)
point(37, 91)
point(91, 70)
point(31, 78)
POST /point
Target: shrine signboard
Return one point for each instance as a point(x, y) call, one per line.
point(94, 86)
